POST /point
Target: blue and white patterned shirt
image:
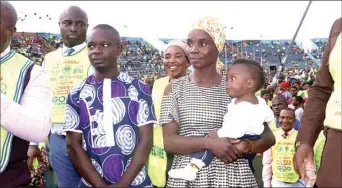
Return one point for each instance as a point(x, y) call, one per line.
point(130, 107)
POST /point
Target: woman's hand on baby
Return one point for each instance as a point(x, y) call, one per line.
point(213, 134)
point(224, 149)
point(242, 146)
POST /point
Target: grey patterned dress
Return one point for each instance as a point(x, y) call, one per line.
point(199, 110)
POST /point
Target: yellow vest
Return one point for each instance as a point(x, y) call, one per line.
point(333, 109)
point(64, 73)
point(318, 149)
point(282, 158)
point(258, 93)
point(158, 93)
point(273, 125)
point(14, 67)
point(157, 161)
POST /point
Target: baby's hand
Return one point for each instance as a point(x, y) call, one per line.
point(213, 134)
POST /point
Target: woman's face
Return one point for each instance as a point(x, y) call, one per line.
point(203, 52)
point(266, 96)
point(175, 62)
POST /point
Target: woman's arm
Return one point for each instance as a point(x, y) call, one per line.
point(181, 145)
point(259, 146)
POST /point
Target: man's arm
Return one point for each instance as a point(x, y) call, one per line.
point(267, 168)
point(81, 160)
point(319, 94)
point(140, 155)
point(31, 119)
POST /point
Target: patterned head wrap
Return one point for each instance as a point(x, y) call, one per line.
point(181, 44)
point(215, 29)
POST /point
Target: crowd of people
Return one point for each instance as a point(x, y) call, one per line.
point(142, 61)
point(103, 110)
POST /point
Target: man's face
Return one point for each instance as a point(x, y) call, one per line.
point(73, 27)
point(287, 120)
point(103, 49)
point(7, 31)
point(296, 85)
point(294, 91)
point(294, 101)
point(277, 106)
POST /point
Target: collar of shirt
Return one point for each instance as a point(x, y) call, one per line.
point(288, 133)
point(76, 48)
point(8, 49)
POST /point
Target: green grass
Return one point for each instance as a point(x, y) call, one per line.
point(257, 163)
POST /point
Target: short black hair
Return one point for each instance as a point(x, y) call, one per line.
point(264, 92)
point(294, 87)
point(110, 28)
point(299, 99)
point(291, 110)
point(255, 69)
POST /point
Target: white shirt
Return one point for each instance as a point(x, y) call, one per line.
point(245, 118)
point(298, 112)
point(31, 119)
point(65, 50)
point(77, 49)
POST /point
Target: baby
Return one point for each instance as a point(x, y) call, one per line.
point(245, 117)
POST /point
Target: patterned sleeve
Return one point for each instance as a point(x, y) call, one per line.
point(145, 114)
point(72, 112)
point(169, 108)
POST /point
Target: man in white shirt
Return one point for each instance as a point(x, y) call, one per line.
point(296, 105)
point(66, 67)
point(25, 105)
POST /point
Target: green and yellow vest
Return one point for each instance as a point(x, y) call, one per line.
point(157, 162)
point(333, 109)
point(64, 73)
point(14, 68)
point(282, 158)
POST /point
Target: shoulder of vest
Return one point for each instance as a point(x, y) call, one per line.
point(57, 51)
point(161, 80)
point(22, 58)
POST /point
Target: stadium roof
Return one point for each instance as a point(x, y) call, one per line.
point(244, 20)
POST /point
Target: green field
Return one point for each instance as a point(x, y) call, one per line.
point(257, 163)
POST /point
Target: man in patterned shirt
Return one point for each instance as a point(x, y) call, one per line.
point(113, 113)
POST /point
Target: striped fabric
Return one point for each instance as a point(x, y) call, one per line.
point(6, 137)
point(199, 110)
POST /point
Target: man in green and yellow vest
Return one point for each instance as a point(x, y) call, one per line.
point(279, 103)
point(66, 67)
point(323, 109)
point(25, 105)
point(278, 168)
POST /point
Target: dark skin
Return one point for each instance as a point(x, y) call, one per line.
point(241, 85)
point(104, 49)
point(203, 57)
point(7, 31)
point(7, 25)
point(175, 62)
point(287, 119)
point(293, 91)
point(73, 24)
point(278, 104)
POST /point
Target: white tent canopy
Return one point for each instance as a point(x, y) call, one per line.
point(248, 20)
